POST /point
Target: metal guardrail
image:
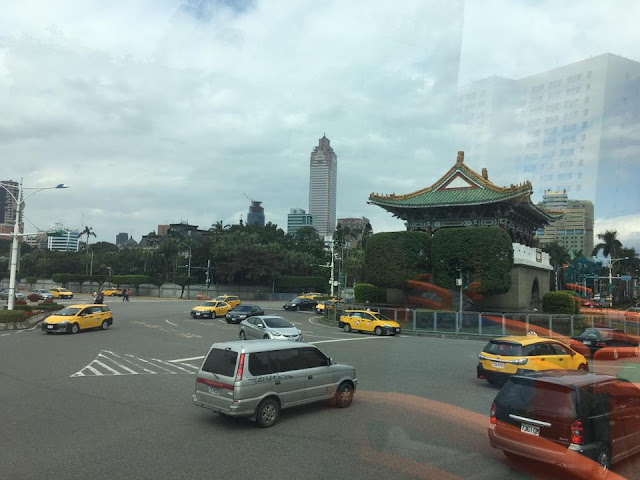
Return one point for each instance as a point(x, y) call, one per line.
point(497, 324)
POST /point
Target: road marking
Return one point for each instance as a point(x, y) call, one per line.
point(346, 340)
point(170, 322)
point(179, 360)
point(108, 363)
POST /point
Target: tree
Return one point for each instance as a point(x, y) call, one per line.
point(610, 245)
point(88, 231)
point(558, 256)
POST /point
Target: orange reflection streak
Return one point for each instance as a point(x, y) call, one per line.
point(473, 424)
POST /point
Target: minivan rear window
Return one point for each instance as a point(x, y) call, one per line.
point(527, 396)
point(507, 349)
point(221, 362)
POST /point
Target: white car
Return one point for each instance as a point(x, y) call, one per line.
point(4, 294)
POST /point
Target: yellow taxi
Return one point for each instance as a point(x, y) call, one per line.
point(78, 317)
point(368, 321)
point(112, 292)
point(327, 305)
point(506, 356)
point(210, 309)
point(310, 295)
point(232, 300)
point(61, 293)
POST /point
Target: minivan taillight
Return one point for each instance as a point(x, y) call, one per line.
point(492, 414)
point(576, 432)
point(240, 368)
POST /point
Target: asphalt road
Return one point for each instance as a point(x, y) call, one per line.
point(117, 404)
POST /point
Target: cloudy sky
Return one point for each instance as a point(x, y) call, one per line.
point(163, 111)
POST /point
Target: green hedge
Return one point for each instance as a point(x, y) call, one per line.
point(365, 292)
point(392, 258)
point(48, 307)
point(11, 316)
point(302, 284)
point(486, 253)
point(559, 302)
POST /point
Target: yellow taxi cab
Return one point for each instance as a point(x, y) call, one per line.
point(310, 295)
point(506, 356)
point(112, 292)
point(232, 300)
point(78, 317)
point(210, 309)
point(368, 321)
point(328, 305)
point(61, 292)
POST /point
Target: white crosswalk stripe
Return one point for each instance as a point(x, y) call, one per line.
point(108, 363)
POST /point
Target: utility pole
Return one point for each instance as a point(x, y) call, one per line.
point(208, 281)
point(459, 282)
point(332, 268)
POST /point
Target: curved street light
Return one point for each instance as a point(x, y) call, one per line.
point(611, 262)
point(16, 232)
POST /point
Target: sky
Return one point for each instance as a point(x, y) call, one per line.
point(163, 111)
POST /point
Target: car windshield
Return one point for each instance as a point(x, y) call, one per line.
point(598, 333)
point(277, 322)
point(469, 168)
point(242, 309)
point(506, 349)
point(68, 312)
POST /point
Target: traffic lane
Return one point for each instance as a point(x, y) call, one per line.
point(441, 369)
point(154, 431)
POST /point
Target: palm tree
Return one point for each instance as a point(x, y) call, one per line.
point(88, 231)
point(558, 256)
point(610, 244)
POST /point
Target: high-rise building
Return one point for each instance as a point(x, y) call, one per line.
point(63, 240)
point(121, 238)
point(7, 202)
point(297, 219)
point(323, 187)
point(256, 214)
point(571, 128)
point(574, 230)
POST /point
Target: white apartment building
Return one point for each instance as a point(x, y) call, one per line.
point(572, 128)
point(323, 187)
point(63, 240)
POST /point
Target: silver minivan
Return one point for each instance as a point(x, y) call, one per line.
point(259, 378)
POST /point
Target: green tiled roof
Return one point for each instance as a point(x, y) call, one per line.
point(443, 198)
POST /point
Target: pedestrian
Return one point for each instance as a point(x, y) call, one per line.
point(99, 298)
point(128, 293)
point(124, 294)
point(95, 295)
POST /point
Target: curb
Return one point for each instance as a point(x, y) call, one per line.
point(28, 323)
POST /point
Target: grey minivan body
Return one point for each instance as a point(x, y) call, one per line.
point(259, 378)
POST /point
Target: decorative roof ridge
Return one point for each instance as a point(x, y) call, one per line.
point(460, 166)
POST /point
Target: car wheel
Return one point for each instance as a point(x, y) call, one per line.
point(267, 413)
point(104, 325)
point(212, 315)
point(243, 336)
point(347, 327)
point(604, 463)
point(344, 395)
point(75, 328)
point(266, 337)
point(583, 367)
point(378, 331)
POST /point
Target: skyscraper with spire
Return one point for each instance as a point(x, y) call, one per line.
point(323, 187)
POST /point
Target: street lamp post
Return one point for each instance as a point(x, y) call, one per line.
point(16, 234)
point(611, 262)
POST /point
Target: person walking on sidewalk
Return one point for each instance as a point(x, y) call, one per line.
point(125, 294)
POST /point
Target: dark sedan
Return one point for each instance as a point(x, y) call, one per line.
point(614, 342)
point(243, 311)
point(300, 303)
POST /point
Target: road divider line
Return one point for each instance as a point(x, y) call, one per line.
point(347, 340)
point(172, 364)
point(132, 363)
point(170, 322)
point(179, 360)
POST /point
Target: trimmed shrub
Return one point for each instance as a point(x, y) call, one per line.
point(365, 292)
point(484, 252)
point(393, 258)
point(48, 306)
point(11, 316)
point(560, 302)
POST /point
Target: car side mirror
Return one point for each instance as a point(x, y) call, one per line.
point(260, 325)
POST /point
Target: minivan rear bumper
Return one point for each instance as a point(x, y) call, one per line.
point(509, 439)
point(245, 409)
